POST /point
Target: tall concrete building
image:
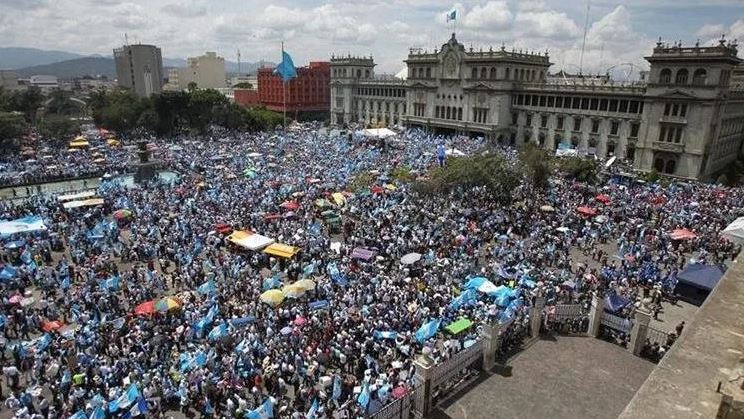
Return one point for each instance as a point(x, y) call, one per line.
point(139, 68)
point(207, 71)
point(685, 119)
point(8, 79)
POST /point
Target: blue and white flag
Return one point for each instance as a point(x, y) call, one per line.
point(286, 68)
point(207, 288)
point(125, 400)
point(336, 388)
point(452, 15)
point(265, 411)
point(80, 414)
point(465, 298)
point(139, 408)
point(218, 332)
point(363, 398)
point(44, 342)
point(313, 412)
point(387, 334)
point(428, 330)
point(98, 413)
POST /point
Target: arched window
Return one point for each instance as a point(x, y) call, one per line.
point(366, 74)
point(507, 74)
point(541, 76)
point(659, 165)
point(474, 73)
point(681, 76)
point(532, 75)
point(665, 77)
point(421, 73)
point(493, 73)
point(359, 74)
point(483, 73)
point(699, 76)
point(428, 72)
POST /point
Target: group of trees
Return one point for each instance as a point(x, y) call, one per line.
point(167, 113)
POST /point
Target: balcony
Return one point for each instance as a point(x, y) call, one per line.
point(664, 146)
point(673, 119)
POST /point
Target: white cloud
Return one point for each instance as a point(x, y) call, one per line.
point(493, 15)
point(708, 31)
point(184, 10)
point(546, 24)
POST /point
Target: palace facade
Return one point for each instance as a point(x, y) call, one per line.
point(686, 119)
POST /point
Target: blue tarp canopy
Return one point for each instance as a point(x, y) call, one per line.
point(700, 276)
point(615, 303)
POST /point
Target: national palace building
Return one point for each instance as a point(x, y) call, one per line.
point(685, 119)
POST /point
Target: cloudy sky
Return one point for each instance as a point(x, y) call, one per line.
point(619, 31)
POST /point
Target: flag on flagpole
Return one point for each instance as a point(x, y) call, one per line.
point(452, 15)
point(427, 330)
point(336, 388)
point(265, 411)
point(363, 398)
point(286, 68)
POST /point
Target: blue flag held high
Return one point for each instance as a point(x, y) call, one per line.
point(428, 330)
point(286, 68)
point(452, 15)
point(265, 411)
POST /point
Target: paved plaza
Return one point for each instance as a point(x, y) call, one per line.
point(565, 377)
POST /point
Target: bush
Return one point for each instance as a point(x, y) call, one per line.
point(361, 181)
point(402, 174)
point(652, 176)
point(537, 164)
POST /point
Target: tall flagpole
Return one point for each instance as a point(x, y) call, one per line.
point(284, 92)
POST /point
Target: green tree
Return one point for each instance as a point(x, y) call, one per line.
point(28, 101)
point(12, 127)
point(58, 126)
point(652, 176)
point(60, 102)
point(149, 120)
point(537, 164)
point(583, 170)
point(191, 87)
point(243, 85)
point(489, 170)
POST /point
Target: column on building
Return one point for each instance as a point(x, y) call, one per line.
point(604, 131)
point(622, 142)
point(552, 123)
point(360, 116)
point(521, 122)
point(535, 128)
point(586, 129)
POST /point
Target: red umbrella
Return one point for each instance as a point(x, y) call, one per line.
point(682, 234)
point(299, 321)
point(147, 307)
point(377, 189)
point(603, 199)
point(586, 211)
point(272, 216)
point(50, 326)
point(290, 205)
point(223, 228)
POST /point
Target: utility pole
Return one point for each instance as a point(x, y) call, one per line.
point(238, 62)
point(583, 44)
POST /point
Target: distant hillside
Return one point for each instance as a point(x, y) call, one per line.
point(91, 66)
point(14, 58)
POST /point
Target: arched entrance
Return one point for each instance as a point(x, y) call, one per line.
point(541, 140)
point(665, 163)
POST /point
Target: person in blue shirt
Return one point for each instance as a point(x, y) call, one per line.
point(440, 154)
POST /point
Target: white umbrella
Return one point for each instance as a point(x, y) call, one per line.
point(735, 231)
point(410, 258)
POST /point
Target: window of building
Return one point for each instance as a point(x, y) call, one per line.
point(448, 112)
point(493, 73)
point(577, 124)
point(678, 135)
point(624, 106)
point(614, 127)
point(507, 74)
point(474, 73)
point(594, 105)
point(667, 109)
point(610, 148)
point(630, 152)
point(675, 109)
point(535, 100)
point(665, 76)
point(603, 105)
point(559, 122)
point(366, 74)
point(551, 101)
point(634, 128)
point(528, 121)
point(459, 114)
point(662, 133)
point(428, 72)
point(595, 125)
point(515, 118)
point(613, 105)
point(584, 103)
point(544, 121)
point(699, 76)
point(681, 76)
point(483, 73)
point(542, 101)
point(520, 99)
point(683, 110)
point(576, 103)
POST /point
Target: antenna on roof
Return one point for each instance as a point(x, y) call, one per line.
point(583, 44)
point(238, 62)
point(126, 39)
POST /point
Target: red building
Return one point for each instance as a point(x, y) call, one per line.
point(310, 91)
point(246, 97)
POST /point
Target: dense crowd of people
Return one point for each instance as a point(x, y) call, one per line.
point(79, 342)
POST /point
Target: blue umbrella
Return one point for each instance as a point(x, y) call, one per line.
point(15, 244)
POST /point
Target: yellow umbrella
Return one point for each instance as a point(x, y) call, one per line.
point(272, 297)
point(293, 291)
point(390, 187)
point(306, 284)
point(339, 198)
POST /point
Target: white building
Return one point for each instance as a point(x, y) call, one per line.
point(685, 119)
point(207, 71)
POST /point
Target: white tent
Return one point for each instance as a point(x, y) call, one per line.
point(84, 203)
point(453, 152)
point(76, 196)
point(735, 231)
point(378, 132)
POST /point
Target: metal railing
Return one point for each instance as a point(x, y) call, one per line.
point(397, 409)
point(656, 335)
point(621, 324)
point(567, 312)
point(452, 367)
